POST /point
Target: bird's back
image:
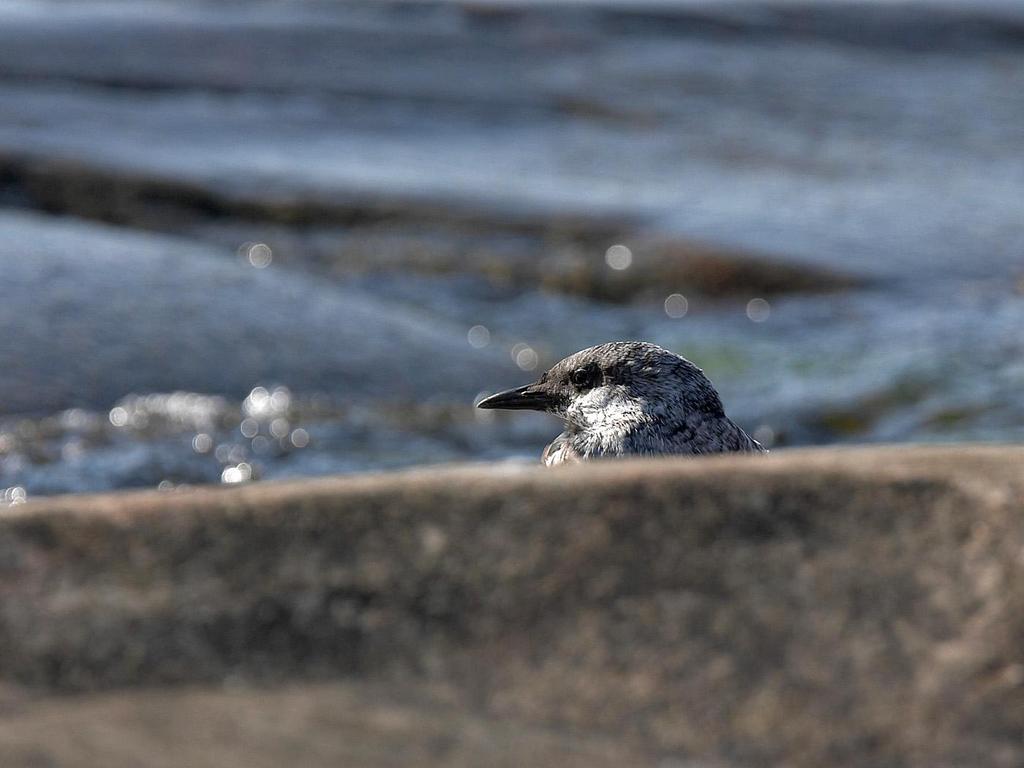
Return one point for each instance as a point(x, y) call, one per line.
point(693, 435)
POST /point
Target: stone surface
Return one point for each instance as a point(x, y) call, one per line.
point(125, 312)
point(322, 725)
point(842, 608)
point(716, 122)
point(353, 233)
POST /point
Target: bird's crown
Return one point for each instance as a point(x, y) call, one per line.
point(640, 369)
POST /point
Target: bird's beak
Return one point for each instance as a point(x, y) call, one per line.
point(532, 397)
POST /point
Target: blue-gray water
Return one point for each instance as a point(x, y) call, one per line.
point(144, 149)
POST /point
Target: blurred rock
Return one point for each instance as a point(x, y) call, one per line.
point(352, 234)
point(718, 122)
point(102, 312)
point(841, 608)
point(168, 202)
point(663, 265)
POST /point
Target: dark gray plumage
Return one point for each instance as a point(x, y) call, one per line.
point(628, 398)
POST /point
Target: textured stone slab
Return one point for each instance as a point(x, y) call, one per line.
point(849, 608)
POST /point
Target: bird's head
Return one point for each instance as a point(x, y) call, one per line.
point(616, 384)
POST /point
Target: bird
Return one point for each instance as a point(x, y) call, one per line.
point(628, 398)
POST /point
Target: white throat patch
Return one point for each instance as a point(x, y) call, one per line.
point(604, 416)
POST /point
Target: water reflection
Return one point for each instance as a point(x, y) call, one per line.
point(172, 441)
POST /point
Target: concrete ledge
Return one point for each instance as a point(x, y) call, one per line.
point(348, 723)
point(841, 607)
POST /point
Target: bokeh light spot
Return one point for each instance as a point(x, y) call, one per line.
point(676, 305)
point(619, 257)
point(14, 495)
point(478, 336)
point(118, 416)
point(239, 473)
point(758, 310)
point(260, 255)
point(524, 356)
point(300, 438)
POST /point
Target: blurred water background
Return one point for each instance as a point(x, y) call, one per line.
point(276, 239)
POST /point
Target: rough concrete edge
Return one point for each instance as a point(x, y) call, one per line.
point(958, 464)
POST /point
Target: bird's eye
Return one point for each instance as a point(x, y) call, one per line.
point(586, 377)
